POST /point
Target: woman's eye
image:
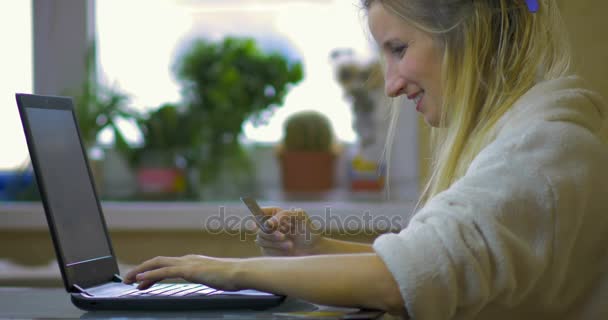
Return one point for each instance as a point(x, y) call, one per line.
point(399, 51)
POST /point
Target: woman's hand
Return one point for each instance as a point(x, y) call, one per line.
point(213, 272)
point(292, 234)
point(310, 278)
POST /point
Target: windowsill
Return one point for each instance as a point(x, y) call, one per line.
point(125, 216)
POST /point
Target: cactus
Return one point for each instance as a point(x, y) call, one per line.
point(308, 131)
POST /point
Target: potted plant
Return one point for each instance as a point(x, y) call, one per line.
point(308, 153)
point(224, 84)
point(99, 107)
point(163, 162)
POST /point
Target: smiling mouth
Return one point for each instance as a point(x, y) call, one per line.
point(417, 98)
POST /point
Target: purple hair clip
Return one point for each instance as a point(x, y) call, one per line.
point(532, 5)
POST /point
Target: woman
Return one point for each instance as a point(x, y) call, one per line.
point(513, 223)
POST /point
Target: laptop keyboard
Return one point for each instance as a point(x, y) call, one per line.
point(173, 290)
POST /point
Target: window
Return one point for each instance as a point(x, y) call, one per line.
point(137, 51)
point(138, 43)
point(16, 76)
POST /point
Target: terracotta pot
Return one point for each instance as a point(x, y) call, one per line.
point(307, 171)
point(161, 183)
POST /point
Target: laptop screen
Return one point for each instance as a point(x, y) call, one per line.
point(70, 194)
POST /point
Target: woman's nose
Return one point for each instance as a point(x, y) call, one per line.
point(394, 85)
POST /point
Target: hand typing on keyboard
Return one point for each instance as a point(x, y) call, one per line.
point(214, 272)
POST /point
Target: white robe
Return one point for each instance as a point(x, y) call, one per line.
point(524, 234)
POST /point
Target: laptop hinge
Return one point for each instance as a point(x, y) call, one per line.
point(81, 290)
point(115, 278)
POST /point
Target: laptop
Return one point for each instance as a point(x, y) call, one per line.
point(84, 251)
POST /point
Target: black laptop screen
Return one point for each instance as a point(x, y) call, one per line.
point(69, 190)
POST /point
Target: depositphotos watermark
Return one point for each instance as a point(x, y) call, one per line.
point(297, 222)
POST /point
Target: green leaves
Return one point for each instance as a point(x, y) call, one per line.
point(226, 83)
point(99, 107)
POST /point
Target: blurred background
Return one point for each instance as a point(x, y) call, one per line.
point(186, 105)
point(190, 100)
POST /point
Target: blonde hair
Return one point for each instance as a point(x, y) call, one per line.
point(494, 51)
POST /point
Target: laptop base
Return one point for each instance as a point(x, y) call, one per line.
point(225, 301)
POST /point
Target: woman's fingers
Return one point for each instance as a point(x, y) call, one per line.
point(271, 211)
point(286, 226)
point(143, 285)
point(159, 274)
point(151, 264)
point(279, 245)
point(274, 236)
point(281, 220)
point(192, 268)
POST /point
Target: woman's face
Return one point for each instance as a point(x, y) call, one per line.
point(413, 61)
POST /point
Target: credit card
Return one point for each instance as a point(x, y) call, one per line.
point(260, 217)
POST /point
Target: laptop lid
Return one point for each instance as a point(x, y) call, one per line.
point(70, 201)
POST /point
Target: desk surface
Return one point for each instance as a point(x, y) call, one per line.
point(37, 303)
